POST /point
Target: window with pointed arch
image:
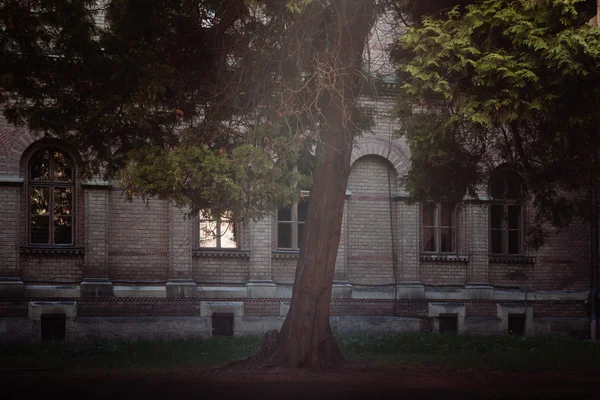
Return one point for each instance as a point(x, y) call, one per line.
point(506, 212)
point(51, 198)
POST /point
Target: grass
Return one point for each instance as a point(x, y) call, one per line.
point(503, 353)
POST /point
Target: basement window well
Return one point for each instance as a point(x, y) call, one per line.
point(53, 327)
point(222, 324)
point(448, 322)
point(516, 324)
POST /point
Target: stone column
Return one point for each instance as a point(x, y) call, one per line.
point(11, 284)
point(261, 248)
point(410, 285)
point(181, 283)
point(96, 281)
point(477, 224)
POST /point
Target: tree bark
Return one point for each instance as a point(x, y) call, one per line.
point(306, 340)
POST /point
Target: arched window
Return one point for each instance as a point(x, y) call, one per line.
point(51, 198)
point(506, 213)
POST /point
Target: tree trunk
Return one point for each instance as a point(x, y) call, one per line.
point(305, 339)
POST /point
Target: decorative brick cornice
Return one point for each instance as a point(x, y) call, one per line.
point(220, 253)
point(138, 253)
point(70, 251)
point(444, 258)
point(506, 259)
point(283, 254)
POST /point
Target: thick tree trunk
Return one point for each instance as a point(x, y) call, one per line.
point(305, 339)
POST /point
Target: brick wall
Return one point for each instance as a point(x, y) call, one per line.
point(512, 274)
point(52, 268)
point(138, 239)
point(284, 270)
point(263, 308)
point(369, 246)
point(556, 309)
point(481, 310)
point(9, 309)
point(219, 269)
point(450, 273)
point(9, 231)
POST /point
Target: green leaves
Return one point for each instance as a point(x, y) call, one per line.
point(503, 80)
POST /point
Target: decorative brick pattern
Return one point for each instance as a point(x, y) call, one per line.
point(481, 310)
point(138, 308)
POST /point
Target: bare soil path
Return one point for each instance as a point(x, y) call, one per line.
point(356, 381)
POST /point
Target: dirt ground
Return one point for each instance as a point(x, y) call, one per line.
point(356, 381)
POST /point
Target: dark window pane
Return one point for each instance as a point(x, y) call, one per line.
point(228, 235)
point(513, 188)
point(514, 242)
point(63, 230)
point(446, 240)
point(40, 229)
point(39, 199)
point(302, 209)
point(284, 236)
point(429, 214)
point(514, 217)
point(497, 212)
point(446, 214)
point(497, 239)
point(63, 167)
point(40, 166)
point(284, 214)
point(300, 231)
point(429, 239)
point(63, 199)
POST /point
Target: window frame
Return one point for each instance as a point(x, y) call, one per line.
point(506, 176)
point(505, 228)
point(218, 234)
point(294, 222)
point(437, 227)
point(51, 184)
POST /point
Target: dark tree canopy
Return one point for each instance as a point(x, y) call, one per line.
point(504, 81)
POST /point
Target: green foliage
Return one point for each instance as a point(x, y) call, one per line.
point(503, 81)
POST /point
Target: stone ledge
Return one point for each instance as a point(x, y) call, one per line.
point(215, 253)
point(72, 251)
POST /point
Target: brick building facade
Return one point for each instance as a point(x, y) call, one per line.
point(114, 268)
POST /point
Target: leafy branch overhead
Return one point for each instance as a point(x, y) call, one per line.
point(503, 81)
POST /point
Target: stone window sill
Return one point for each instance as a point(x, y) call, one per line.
point(445, 258)
point(511, 259)
point(286, 254)
point(71, 251)
point(221, 253)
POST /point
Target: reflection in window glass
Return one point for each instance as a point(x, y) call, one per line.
point(437, 224)
point(219, 233)
point(51, 198)
point(290, 224)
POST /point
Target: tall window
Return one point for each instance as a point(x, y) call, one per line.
point(51, 197)
point(217, 233)
point(290, 224)
point(506, 214)
point(438, 225)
